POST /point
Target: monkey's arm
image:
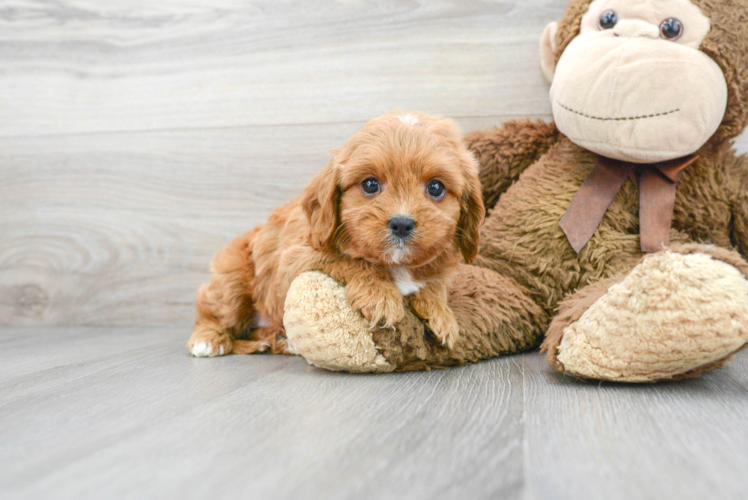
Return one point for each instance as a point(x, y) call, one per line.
point(505, 152)
point(739, 198)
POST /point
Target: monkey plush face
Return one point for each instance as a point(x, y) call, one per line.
point(633, 84)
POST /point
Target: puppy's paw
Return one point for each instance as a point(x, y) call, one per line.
point(380, 305)
point(439, 317)
point(208, 343)
point(445, 327)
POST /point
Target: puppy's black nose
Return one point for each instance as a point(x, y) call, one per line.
point(402, 227)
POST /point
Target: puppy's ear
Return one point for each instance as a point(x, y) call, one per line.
point(320, 201)
point(472, 211)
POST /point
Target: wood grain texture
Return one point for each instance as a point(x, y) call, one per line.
point(90, 66)
point(143, 419)
point(125, 412)
point(684, 440)
point(137, 138)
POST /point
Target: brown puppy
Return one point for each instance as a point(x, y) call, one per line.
point(390, 215)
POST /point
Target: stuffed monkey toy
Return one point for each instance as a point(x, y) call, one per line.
point(617, 236)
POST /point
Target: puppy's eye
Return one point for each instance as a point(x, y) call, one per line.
point(671, 29)
point(370, 186)
point(435, 189)
point(608, 20)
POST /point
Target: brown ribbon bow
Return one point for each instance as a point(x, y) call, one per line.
point(656, 201)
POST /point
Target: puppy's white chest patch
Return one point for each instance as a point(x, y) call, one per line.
point(405, 282)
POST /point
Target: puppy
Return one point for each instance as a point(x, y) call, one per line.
point(391, 215)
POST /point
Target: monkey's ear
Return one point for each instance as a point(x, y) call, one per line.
point(320, 200)
point(548, 51)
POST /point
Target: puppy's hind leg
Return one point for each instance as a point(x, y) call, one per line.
point(264, 339)
point(225, 305)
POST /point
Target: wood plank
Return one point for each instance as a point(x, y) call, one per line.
point(684, 440)
point(136, 416)
point(153, 422)
point(80, 66)
point(30, 350)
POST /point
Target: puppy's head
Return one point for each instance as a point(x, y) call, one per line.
point(400, 192)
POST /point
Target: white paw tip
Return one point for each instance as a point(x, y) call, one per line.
point(202, 349)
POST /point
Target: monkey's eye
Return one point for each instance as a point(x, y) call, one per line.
point(671, 29)
point(608, 20)
point(435, 189)
point(370, 186)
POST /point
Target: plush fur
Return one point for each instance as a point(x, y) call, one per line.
point(335, 227)
point(627, 93)
point(527, 280)
point(620, 334)
point(495, 315)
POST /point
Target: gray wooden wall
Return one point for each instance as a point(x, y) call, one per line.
point(139, 136)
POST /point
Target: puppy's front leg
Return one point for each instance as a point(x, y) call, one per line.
point(430, 304)
point(371, 291)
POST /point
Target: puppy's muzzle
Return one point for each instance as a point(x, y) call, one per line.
point(402, 227)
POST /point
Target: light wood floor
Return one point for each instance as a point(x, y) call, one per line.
point(138, 136)
point(124, 412)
